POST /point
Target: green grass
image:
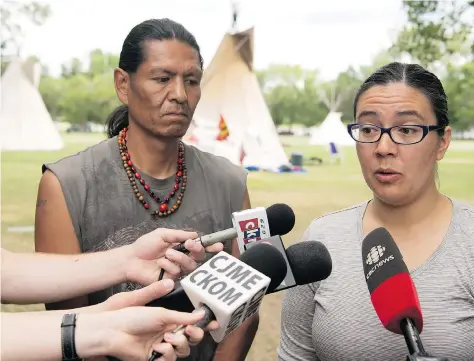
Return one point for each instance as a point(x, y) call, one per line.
point(323, 189)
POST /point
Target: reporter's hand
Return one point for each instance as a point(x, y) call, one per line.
point(131, 334)
point(138, 297)
point(141, 258)
point(181, 344)
point(177, 263)
point(152, 252)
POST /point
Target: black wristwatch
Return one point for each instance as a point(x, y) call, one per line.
point(68, 339)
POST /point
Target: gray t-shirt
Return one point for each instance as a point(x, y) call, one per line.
point(334, 320)
point(106, 213)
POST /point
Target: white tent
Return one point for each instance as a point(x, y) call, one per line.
point(331, 130)
point(25, 123)
point(230, 89)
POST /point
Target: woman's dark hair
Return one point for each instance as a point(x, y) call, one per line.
point(133, 54)
point(414, 76)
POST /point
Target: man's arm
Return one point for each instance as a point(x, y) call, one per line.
point(54, 232)
point(237, 345)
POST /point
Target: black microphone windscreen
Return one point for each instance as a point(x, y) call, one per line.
point(381, 258)
point(266, 259)
point(310, 262)
point(281, 219)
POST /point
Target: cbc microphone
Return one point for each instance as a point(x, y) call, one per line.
point(230, 290)
point(392, 291)
point(251, 225)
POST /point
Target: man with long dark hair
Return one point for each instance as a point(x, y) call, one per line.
point(144, 177)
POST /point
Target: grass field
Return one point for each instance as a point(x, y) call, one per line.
point(324, 188)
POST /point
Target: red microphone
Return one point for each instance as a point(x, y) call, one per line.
point(392, 291)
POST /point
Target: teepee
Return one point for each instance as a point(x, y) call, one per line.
point(231, 97)
point(331, 130)
point(25, 123)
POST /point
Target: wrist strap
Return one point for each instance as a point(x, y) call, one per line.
point(68, 332)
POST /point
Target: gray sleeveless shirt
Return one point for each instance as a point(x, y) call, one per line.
point(106, 213)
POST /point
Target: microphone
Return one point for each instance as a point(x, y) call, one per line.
point(309, 261)
point(306, 262)
point(277, 243)
point(392, 291)
point(251, 225)
point(231, 290)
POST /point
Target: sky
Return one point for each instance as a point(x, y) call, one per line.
point(316, 34)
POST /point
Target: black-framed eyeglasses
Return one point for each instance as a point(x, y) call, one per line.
point(400, 134)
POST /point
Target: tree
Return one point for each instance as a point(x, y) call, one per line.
point(291, 94)
point(15, 16)
point(73, 68)
point(82, 95)
point(459, 87)
point(101, 62)
point(51, 90)
point(348, 82)
point(436, 30)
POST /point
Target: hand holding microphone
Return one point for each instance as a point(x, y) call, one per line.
point(306, 262)
point(230, 290)
point(250, 225)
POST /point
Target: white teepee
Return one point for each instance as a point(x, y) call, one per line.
point(230, 91)
point(331, 130)
point(25, 123)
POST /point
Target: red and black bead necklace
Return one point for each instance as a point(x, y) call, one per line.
point(180, 183)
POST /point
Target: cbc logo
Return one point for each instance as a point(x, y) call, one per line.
point(375, 254)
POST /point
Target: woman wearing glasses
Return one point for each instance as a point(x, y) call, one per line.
point(402, 130)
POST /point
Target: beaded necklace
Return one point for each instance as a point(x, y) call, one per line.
point(164, 208)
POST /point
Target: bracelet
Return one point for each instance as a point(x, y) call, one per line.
point(68, 333)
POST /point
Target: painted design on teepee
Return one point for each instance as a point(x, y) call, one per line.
point(223, 130)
